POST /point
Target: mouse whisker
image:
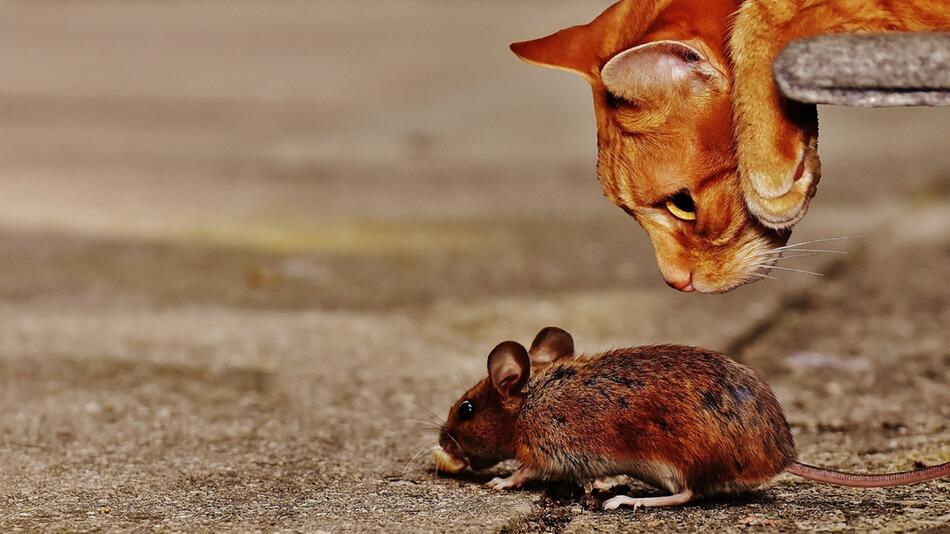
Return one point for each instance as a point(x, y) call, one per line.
point(451, 437)
point(427, 430)
point(422, 421)
point(434, 415)
point(415, 457)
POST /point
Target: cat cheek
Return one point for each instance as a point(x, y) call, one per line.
point(655, 220)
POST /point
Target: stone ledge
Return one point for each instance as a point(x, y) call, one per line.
point(908, 69)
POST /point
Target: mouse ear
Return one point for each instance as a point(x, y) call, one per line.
point(551, 343)
point(659, 70)
point(509, 368)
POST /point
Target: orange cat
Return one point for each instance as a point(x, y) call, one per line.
point(663, 100)
point(661, 84)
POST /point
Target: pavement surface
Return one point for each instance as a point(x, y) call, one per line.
point(248, 249)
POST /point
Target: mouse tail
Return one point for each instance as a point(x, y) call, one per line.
point(856, 480)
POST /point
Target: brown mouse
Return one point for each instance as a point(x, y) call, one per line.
point(686, 420)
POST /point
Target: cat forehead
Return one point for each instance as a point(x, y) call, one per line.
point(646, 167)
point(637, 171)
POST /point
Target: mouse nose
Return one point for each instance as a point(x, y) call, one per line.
point(681, 281)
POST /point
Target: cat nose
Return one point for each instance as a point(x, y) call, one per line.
point(681, 281)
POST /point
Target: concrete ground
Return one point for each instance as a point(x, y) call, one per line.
point(247, 249)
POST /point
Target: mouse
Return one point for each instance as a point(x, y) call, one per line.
point(688, 421)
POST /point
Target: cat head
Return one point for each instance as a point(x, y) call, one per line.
point(662, 101)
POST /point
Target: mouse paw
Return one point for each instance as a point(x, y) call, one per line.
point(515, 481)
point(500, 484)
point(620, 500)
point(649, 502)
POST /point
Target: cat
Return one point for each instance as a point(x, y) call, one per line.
point(662, 86)
point(666, 96)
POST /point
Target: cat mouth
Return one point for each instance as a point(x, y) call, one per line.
point(747, 263)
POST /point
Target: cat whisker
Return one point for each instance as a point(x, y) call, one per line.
point(780, 258)
point(826, 240)
point(789, 257)
point(769, 259)
point(767, 266)
point(814, 250)
point(760, 275)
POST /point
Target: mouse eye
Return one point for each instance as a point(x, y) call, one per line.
point(681, 206)
point(466, 411)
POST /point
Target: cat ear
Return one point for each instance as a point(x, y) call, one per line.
point(569, 49)
point(659, 69)
point(581, 49)
point(551, 343)
point(509, 369)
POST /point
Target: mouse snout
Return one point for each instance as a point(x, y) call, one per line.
point(450, 445)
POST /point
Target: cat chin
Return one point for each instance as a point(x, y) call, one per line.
point(725, 288)
point(707, 289)
point(715, 289)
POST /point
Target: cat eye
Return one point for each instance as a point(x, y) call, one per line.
point(681, 206)
point(466, 411)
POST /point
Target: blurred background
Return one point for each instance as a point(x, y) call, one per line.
point(246, 245)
